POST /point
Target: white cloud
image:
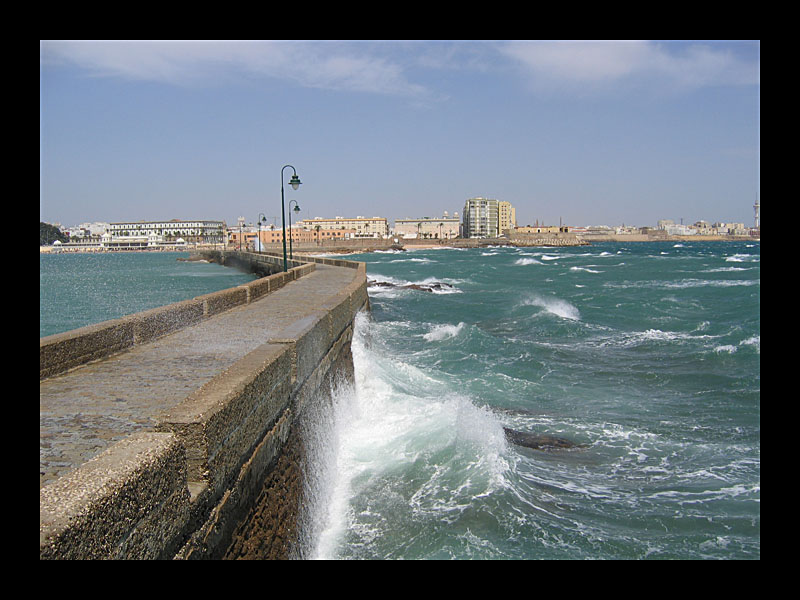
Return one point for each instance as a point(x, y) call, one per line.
point(326, 65)
point(603, 63)
point(390, 67)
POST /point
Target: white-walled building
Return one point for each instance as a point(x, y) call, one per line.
point(435, 228)
point(208, 232)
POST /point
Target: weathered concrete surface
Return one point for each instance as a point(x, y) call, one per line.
point(83, 411)
point(218, 400)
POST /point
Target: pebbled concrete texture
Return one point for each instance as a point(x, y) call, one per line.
point(86, 410)
point(185, 443)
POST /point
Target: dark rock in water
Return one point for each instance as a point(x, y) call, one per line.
point(427, 287)
point(537, 441)
point(193, 258)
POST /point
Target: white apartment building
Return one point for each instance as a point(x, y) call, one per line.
point(481, 218)
point(86, 230)
point(374, 227)
point(190, 231)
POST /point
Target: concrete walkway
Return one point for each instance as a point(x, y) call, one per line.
point(84, 411)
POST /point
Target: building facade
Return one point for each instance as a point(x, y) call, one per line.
point(299, 235)
point(507, 216)
point(432, 228)
point(364, 227)
point(205, 232)
point(540, 229)
point(481, 218)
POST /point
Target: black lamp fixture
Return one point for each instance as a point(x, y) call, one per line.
point(295, 183)
point(297, 210)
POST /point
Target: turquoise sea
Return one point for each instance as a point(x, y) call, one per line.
point(81, 289)
point(646, 355)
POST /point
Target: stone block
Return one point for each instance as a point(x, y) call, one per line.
point(340, 313)
point(257, 289)
point(309, 339)
point(129, 502)
point(223, 300)
point(62, 351)
point(220, 422)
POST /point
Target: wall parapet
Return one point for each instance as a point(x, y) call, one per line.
point(183, 489)
point(87, 513)
point(63, 351)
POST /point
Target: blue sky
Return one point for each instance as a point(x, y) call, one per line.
point(583, 133)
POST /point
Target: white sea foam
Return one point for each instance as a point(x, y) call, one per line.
point(585, 269)
point(754, 341)
point(393, 417)
point(743, 258)
point(635, 338)
point(386, 279)
point(555, 306)
point(684, 283)
point(729, 348)
point(527, 261)
point(442, 332)
point(726, 269)
point(393, 293)
point(751, 342)
point(419, 260)
point(434, 280)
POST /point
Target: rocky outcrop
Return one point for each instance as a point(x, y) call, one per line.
point(537, 441)
point(436, 286)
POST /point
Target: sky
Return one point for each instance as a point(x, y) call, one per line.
point(576, 133)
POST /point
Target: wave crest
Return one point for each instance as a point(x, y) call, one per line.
point(443, 332)
point(555, 306)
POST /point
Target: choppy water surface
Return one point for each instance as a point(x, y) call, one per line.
point(646, 354)
point(81, 289)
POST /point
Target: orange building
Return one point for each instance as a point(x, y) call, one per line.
point(247, 239)
point(305, 236)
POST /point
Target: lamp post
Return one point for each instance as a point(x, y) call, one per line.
point(296, 209)
point(295, 183)
point(263, 219)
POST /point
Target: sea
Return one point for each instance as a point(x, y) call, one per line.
point(79, 289)
point(645, 356)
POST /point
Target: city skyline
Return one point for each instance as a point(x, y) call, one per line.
point(584, 133)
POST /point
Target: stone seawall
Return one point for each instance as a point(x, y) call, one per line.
point(62, 351)
point(546, 239)
point(221, 473)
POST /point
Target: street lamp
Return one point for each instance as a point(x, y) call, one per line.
point(295, 183)
point(263, 219)
point(297, 210)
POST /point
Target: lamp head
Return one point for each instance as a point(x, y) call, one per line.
point(295, 181)
point(296, 208)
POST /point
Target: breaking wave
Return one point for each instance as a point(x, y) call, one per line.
point(554, 306)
